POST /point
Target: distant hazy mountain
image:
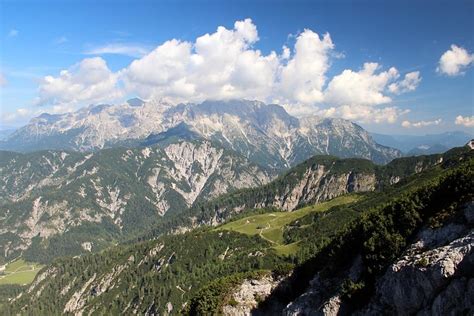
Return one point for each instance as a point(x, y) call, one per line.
point(264, 133)
point(423, 145)
point(5, 133)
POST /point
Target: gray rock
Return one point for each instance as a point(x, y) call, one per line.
point(431, 278)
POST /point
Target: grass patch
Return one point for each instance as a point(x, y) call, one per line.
point(289, 249)
point(19, 272)
point(270, 226)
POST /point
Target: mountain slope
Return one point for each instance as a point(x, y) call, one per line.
point(264, 133)
point(411, 256)
point(317, 179)
point(199, 269)
point(97, 197)
point(402, 251)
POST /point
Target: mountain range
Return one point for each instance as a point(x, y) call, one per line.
point(231, 207)
point(264, 133)
point(424, 144)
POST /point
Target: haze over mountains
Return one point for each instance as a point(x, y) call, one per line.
point(264, 133)
point(423, 144)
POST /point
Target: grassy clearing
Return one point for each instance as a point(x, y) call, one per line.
point(286, 250)
point(19, 272)
point(270, 226)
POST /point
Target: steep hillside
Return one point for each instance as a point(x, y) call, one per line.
point(153, 277)
point(208, 271)
point(408, 254)
point(96, 198)
point(264, 133)
point(413, 256)
point(317, 179)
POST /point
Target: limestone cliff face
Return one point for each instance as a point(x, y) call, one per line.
point(49, 193)
point(249, 294)
point(321, 185)
point(315, 184)
point(316, 180)
point(320, 298)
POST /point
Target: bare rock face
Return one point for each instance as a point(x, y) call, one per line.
point(411, 284)
point(314, 301)
point(320, 297)
point(320, 185)
point(247, 297)
point(434, 276)
point(48, 193)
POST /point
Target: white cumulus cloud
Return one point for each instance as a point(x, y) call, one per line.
point(467, 121)
point(364, 87)
point(89, 81)
point(304, 75)
point(454, 61)
point(364, 113)
point(216, 66)
point(225, 64)
point(363, 95)
point(409, 83)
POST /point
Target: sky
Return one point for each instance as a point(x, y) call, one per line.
point(394, 67)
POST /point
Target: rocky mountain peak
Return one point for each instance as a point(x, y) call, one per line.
point(264, 133)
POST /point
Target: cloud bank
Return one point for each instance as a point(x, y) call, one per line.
point(225, 64)
point(467, 121)
point(408, 124)
point(89, 81)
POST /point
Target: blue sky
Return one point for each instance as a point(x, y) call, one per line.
point(42, 38)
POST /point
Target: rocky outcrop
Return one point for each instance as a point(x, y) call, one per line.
point(316, 183)
point(435, 275)
point(320, 185)
point(249, 294)
point(321, 297)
